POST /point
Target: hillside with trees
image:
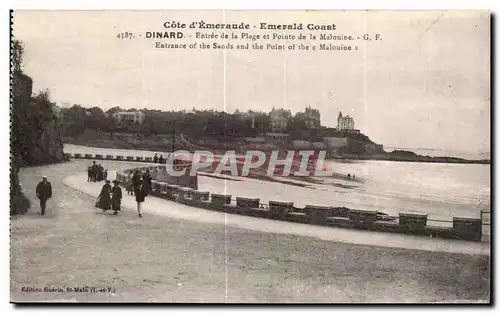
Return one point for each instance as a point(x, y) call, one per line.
point(95, 127)
point(35, 128)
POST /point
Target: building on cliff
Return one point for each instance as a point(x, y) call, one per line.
point(312, 118)
point(278, 126)
point(346, 123)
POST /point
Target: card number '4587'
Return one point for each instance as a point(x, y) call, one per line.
point(125, 35)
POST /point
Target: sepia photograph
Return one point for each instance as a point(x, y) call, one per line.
point(250, 156)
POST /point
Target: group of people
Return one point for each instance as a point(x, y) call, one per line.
point(159, 160)
point(97, 173)
point(349, 176)
point(136, 179)
point(110, 197)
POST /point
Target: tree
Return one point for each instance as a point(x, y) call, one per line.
point(110, 124)
point(113, 110)
point(96, 119)
point(43, 98)
point(17, 56)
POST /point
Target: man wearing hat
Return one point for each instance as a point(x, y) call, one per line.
point(117, 197)
point(140, 196)
point(43, 192)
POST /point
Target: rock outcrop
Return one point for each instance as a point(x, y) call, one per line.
point(35, 135)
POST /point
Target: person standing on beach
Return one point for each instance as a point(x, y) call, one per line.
point(161, 159)
point(140, 196)
point(116, 200)
point(43, 192)
point(155, 159)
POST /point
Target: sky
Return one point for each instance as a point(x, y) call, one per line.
point(426, 84)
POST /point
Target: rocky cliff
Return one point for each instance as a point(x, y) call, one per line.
point(35, 135)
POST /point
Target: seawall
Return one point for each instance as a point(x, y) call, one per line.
point(405, 223)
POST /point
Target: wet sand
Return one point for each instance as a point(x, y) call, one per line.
point(164, 259)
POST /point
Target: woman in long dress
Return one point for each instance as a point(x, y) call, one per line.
point(104, 199)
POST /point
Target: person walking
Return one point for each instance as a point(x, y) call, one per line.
point(140, 196)
point(147, 180)
point(43, 192)
point(117, 197)
point(104, 199)
point(136, 179)
point(105, 174)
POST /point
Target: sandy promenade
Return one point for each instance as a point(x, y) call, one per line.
point(181, 254)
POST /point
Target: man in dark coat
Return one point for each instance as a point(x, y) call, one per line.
point(94, 171)
point(43, 192)
point(155, 158)
point(140, 196)
point(101, 173)
point(147, 180)
point(104, 199)
point(117, 197)
point(161, 159)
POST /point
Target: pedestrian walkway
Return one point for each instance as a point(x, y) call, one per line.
point(157, 206)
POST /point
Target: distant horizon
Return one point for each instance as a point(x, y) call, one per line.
point(436, 149)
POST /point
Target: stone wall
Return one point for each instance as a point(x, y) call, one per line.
point(186, 180)
point(405, 223)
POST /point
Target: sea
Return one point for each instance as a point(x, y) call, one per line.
point(441, 190)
